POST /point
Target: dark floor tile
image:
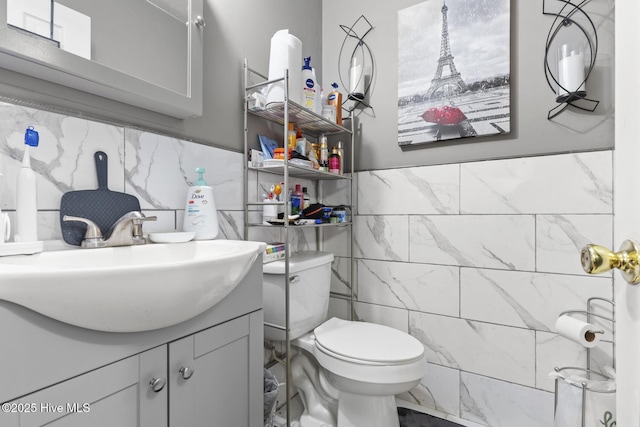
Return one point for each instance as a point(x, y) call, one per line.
point(411, 418)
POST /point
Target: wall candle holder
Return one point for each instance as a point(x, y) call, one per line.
point(568, 79)
point(572, 82)
point(360, 62)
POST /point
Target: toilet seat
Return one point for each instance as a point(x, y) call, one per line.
point(367, 343)
point(401, 367)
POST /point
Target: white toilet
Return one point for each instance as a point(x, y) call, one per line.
point(347, 373)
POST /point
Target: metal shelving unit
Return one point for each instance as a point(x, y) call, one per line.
point(312, 125)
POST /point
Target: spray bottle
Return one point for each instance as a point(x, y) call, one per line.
point(26, 201)
point(200, 213)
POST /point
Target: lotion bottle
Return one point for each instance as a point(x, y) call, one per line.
point(26, 201)
point(335, 99)
point(200, 215)
point(309, 86)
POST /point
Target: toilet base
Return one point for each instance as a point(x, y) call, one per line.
point(371, 411)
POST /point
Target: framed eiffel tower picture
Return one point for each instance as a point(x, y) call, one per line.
point(453, 70)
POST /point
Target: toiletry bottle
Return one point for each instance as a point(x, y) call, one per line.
point(288, 204)
point(324, 154)
point(308, 86)
point(301, 143)
point(269, 209)
point(296, 200)
point(200, 215)
point(334, 161)
point(335, 99)
point(341, 154)
point(306, 200)
point(291, 137)
point(26, 202)
point(317, 102)
point(279, 192)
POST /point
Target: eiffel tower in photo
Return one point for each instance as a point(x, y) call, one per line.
point(452, 83)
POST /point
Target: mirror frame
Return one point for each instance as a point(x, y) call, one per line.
point(38, 57)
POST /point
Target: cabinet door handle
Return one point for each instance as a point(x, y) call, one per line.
point(200, 22)
point(186, 372)
point(157, 384)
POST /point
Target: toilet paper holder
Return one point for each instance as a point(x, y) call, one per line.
point(589, 312)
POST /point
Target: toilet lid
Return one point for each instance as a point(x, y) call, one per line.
point(367, 342)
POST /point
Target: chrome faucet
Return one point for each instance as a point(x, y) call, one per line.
point(127, 231)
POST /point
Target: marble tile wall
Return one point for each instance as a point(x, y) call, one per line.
point(477, 260)
point(157, 169)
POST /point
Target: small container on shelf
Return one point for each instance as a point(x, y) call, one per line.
point(274, 252)
point(278, 154)
point(340, 214)
point(291, 137)
point(324, 154)
point(334, 161)
point(301, 143)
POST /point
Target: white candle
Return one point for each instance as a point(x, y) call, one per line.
point(570, 71)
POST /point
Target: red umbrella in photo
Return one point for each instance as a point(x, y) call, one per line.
point(444, 115)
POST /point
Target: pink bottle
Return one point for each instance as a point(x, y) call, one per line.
point(334, 161)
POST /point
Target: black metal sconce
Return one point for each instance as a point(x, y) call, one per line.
point(569, 77)
point(361, 63)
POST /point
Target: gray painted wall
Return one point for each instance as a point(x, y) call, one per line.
point(531, 98)
point(243, 28)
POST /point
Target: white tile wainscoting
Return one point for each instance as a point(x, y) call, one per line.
point(477, 260)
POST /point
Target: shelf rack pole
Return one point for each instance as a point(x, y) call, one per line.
point(245, 162)
point(287, 252)
point(352, 201)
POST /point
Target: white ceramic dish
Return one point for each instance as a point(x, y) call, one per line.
point(172, 237)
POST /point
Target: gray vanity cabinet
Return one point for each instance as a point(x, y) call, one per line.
point(200, 380)
point(219, 392)
point(208, 369)
point(109, 396)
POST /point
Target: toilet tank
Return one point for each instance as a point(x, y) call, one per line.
point(310, 282)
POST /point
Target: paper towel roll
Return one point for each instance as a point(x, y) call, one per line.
point(578, 331)
point(286, 53)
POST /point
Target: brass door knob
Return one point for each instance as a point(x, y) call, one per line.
point(598, 259)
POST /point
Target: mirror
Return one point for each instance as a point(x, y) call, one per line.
point(147, 53)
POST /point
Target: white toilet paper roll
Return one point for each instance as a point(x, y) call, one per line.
point(578, 331)
point(286, 53)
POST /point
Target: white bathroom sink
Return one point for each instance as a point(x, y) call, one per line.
point(127, 289)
